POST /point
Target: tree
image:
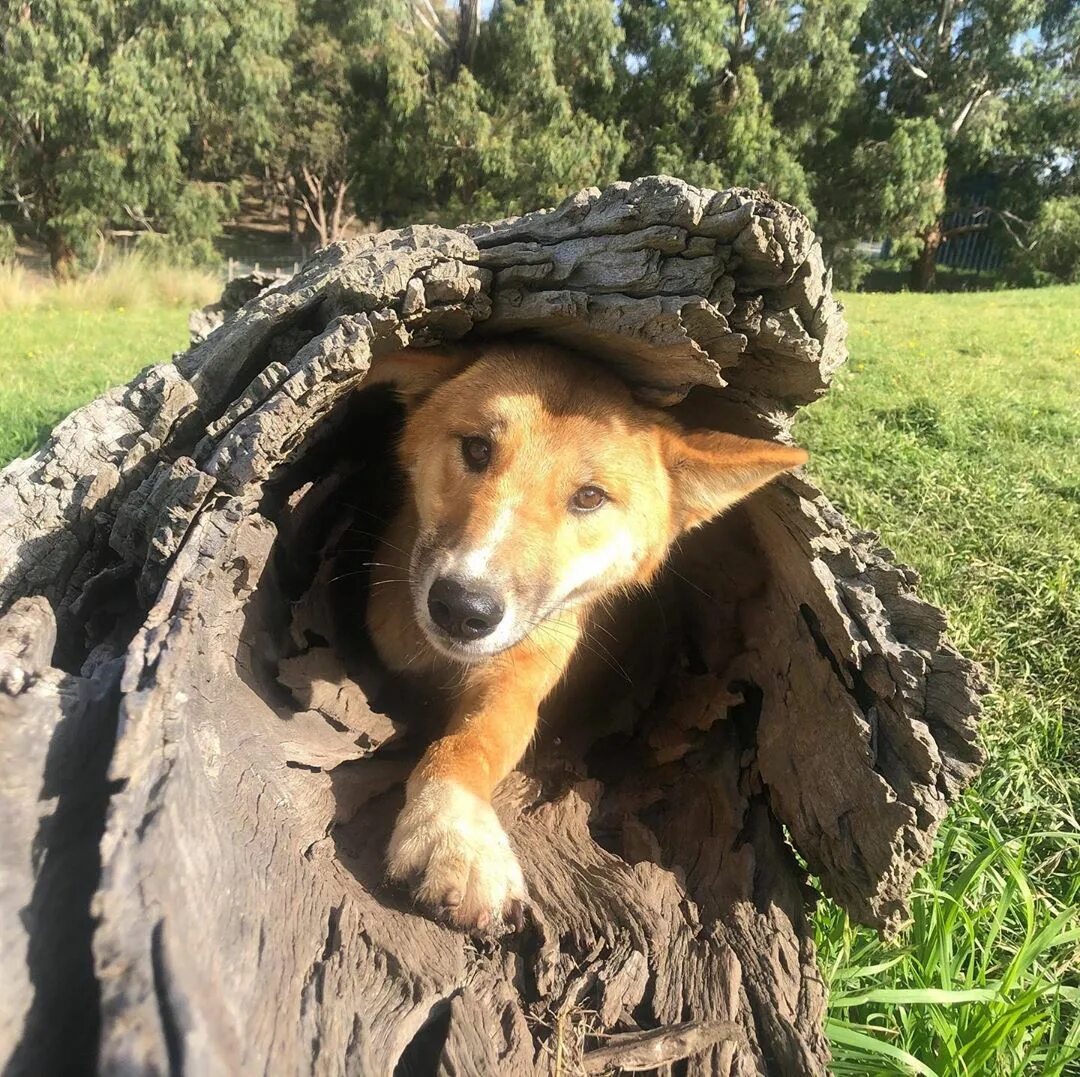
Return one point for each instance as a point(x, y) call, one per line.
point(735, 93)
point(315, 152)
point(876, 186)
point(113, 110)
point(1054, 243)
point(459, 116)
point(945, 85)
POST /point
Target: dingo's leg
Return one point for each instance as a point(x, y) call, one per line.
point(447, 836)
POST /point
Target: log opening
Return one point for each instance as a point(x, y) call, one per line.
point(198, 535)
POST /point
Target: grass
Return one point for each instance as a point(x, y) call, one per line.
point(126, 281)
point(954, 431)
point(62, 345)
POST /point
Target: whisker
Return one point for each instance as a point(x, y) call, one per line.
point(367, 512)
point(609, 659)
point(346, 575)
point(560, 670)
point(607, 631)
point(593, 646)
point(362, 572)
point(688, 582)
point(375, 535)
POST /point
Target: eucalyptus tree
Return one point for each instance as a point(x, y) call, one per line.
point(110, 106)
point(966, 104)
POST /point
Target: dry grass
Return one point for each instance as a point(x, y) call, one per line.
point(123, 283)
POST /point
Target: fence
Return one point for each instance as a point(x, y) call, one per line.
point(976, 250)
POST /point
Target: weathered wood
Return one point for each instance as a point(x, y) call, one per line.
point(632, 1052)
point(205, 525)
point(56, 737)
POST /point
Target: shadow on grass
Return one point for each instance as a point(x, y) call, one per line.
point(891, 279)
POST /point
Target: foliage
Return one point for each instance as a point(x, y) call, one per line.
point(311, 154)
point(889, 186)
point(191, 224)
point(1055, 240)
point(966, 104)
point(876, 117)
point(850, 267)
point(734, 93)
point(109, 107)
point(954, 439)
point(460, 117)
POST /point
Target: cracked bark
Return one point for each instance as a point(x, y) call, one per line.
point(199, 529)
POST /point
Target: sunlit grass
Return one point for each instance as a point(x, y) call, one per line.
point(955, 432)
point(61, 344)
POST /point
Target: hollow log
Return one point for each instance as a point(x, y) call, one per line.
point(201, 768)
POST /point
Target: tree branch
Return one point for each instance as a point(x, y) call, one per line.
point(965, 229)
point(430, 20)
point(468, 32)
point(944, 22)
point(21, 202)
point(913, 67)
point(140, 218)
point(969, 107)
point(1006, 216)
point(315, 189)
point(337, 228)
point(742, 9)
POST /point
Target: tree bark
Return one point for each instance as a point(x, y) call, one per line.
point(292, 205)
point(63, 260)
point(198, 535)
point(924, 268)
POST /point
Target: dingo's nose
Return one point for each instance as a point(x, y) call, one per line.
point(462, 613)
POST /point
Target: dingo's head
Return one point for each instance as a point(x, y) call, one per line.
point(540, 486)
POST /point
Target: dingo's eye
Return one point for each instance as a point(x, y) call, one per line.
point(588, 499)
point(476, 452)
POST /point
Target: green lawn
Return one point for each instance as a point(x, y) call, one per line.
point(954, 431)
point(54, 360)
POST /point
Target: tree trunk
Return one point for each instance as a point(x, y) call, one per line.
point(468, 33)
point(194, 541)
point(292, 205)
point(63, 260)
point(924, 268)
point(338, 221)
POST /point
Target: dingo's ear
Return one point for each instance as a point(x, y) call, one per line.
point(710, 471)
point(415, 372)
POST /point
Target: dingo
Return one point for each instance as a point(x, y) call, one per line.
point(537, 486)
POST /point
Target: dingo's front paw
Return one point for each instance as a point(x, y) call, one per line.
point(452, 843)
